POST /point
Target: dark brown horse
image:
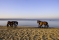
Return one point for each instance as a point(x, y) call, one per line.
point(40, 23)
point(12, 23)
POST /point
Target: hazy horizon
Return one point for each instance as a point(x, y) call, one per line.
point(30, 9)
point(28, 19)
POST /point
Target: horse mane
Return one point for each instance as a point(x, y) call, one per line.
point(38, 21)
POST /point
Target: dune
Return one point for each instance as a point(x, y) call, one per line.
point(28, 33)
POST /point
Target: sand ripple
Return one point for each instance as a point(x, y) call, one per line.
point(29, 34)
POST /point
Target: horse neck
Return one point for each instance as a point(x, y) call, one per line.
point(39, 21)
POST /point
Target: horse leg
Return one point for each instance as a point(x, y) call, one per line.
point(47, 26)
point(7, 25)
point(44, 26)
point(11, 25)
point(15, 25)
point(40, 26)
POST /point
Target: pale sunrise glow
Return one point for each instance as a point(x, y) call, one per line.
point(29, 8)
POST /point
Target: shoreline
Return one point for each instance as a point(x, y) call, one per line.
point(29, 27)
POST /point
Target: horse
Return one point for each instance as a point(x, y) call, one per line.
point(12, 23)
point(42, 23)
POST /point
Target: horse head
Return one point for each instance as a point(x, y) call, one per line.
point(38, 21)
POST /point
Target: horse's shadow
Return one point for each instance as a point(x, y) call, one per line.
point(42, 27)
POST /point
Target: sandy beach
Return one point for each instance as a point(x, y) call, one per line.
point(28, 33)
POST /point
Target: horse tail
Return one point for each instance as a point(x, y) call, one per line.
point(17, 23)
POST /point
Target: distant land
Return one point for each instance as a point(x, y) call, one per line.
point(27, 19)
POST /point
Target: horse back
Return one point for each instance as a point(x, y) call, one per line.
point(45, 23)
point(9, 22)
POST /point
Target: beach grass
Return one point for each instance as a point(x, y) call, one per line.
point(28, 33)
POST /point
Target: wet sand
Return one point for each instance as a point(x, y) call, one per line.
point(28, 33)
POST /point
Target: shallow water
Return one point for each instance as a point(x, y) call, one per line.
point(32, 23)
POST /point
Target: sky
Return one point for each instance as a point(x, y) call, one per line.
point(29, 9)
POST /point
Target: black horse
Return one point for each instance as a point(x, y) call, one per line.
point(12, 23)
